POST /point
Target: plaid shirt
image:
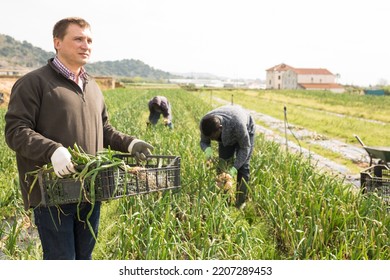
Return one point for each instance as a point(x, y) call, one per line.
point(80, 79)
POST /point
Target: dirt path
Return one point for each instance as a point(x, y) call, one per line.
point(351, 152)
point(5, 89)
point(347, 151)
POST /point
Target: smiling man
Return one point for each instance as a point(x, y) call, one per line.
point(51, 109)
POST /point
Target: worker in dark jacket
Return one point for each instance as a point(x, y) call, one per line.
point(234, 130)
point(50, 110)
point(159, 105)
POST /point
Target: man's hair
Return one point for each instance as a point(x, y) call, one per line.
point(59, 30)
point(156, 100)
point(209, 125)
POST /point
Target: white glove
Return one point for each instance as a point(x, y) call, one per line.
point(140, 149)
point(61, 161)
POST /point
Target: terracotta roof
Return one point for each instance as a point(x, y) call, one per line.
point(312, 71)
point(326, 86)
point(280, 67)
point(302, 71)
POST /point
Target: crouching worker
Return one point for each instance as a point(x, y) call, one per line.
point(234, 130)
point(159, 105)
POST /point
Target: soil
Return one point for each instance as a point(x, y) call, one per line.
point(5, 88)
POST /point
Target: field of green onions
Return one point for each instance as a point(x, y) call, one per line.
point(293, 211)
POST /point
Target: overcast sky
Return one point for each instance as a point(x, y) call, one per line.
point(233, 38)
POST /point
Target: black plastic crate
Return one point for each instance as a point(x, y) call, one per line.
point(376, 178)
point(56, 191)
point(157, 173)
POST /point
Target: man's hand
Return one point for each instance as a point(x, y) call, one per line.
point(140, 149)
point(208, 153)
point(233, 172)
point(62, 163)
point(168, 123)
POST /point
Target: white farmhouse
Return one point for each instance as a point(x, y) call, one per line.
point(283, 76)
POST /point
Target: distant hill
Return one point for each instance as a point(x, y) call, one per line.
point(15, 55)
point(126, 68)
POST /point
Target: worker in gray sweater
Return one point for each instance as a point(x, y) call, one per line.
point(234, 130)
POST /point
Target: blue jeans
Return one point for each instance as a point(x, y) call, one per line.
point(154, 116)
point(64, 232)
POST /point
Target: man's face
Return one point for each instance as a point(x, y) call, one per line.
point(216, 135)
point(75, 48)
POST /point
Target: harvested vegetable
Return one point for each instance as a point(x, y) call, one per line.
point(87, 168)
point(225, 182)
